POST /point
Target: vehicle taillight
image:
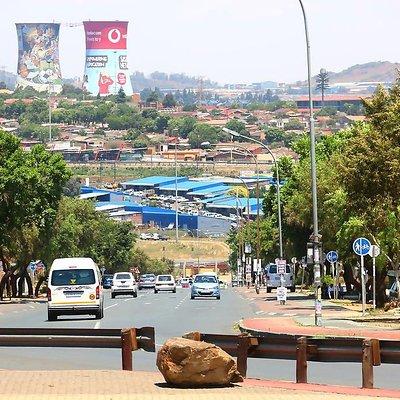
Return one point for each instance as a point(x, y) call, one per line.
point(48, 294)
point(97, 292)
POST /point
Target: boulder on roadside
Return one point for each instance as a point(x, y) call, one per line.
point(190, 363)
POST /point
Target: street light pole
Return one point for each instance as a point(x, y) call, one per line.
point(315, 237)
point(278, 194)
point(50, 112)
point(176, 188)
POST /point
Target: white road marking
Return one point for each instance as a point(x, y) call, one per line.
point(289, 315)
point(112, 305)
point(126, 299)
point(272, 313)
point(260, 312)
point(97, 325)
point(31, 306)
point(147, 304)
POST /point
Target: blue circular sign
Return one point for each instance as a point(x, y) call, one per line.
point(332, 256)
point(361, 246)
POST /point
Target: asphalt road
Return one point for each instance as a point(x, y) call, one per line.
point(171, 315)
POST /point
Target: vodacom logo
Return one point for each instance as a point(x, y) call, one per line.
point(114, 35)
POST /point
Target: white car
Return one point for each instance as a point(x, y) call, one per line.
point(123, 283)
point(165, 283)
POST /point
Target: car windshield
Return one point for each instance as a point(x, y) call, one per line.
point(205, 279)
point(67, 277)
point(165, 278)
point(122, 276)
point(147, 277)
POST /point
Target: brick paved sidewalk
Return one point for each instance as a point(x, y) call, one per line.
point(124, 385)
point(296, 318)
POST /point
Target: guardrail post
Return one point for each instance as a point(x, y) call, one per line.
point(127, 345)
point(367, 365)
point(243, 347)
point(301, 360)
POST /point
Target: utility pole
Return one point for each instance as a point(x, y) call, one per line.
point(176, 188)
point(315, 235)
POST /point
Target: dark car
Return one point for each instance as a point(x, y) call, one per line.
point(107, 281)
point(147, 281)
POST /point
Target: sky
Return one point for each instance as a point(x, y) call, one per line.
point(228, 41)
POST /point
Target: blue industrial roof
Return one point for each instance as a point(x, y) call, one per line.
point(92, 189)
point(154, 180)
point(192, 186)
point(232, 202)
point(210, 190)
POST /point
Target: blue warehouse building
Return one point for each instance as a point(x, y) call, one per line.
point(151, 182)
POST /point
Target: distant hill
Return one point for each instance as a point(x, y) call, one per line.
point(378, 71)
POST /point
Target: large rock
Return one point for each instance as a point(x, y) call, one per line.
point(189, 363)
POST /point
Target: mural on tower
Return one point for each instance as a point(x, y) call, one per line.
point(38, 59)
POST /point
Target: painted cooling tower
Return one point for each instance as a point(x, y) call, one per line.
point(38, 60)
point(106, 67)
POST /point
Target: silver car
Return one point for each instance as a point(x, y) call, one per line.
point(273, 279)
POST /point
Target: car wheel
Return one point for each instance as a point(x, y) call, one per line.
point(174, 291)
point(113, 295)
point(191, 297)
point(218, 297)
point(134, 293)
point(293, 289)
point(140, 288)
point(51, 316)
point(155, 291)
point(269, 290)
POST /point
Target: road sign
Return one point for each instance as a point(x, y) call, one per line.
point(281, 293)
point(332, 256)
point(294, 260)
point(281, 266)
point(374, 251)
point(32, 266)
point(361, 246)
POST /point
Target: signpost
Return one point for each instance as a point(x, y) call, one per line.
point(361, 247)
point(281, 293)
point(332, 258)
point(374, 252)
point(281, 270)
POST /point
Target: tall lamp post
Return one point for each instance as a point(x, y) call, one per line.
point(278, 195)
point(176, 188)
point(315, 236)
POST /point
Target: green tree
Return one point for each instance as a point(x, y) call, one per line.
point(169, 101)
point(205, 133)
point(121, 96)
point(31, 185)
point(237, 126)
point(322, 83)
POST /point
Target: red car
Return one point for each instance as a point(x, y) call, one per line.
point(185, 283)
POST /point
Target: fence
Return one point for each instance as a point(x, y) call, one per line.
point(128, 340)
point(368, 352)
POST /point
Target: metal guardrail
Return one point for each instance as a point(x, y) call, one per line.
point(128, 339)
point(368, 352)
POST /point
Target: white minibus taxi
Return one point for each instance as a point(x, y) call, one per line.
point(74, 288)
